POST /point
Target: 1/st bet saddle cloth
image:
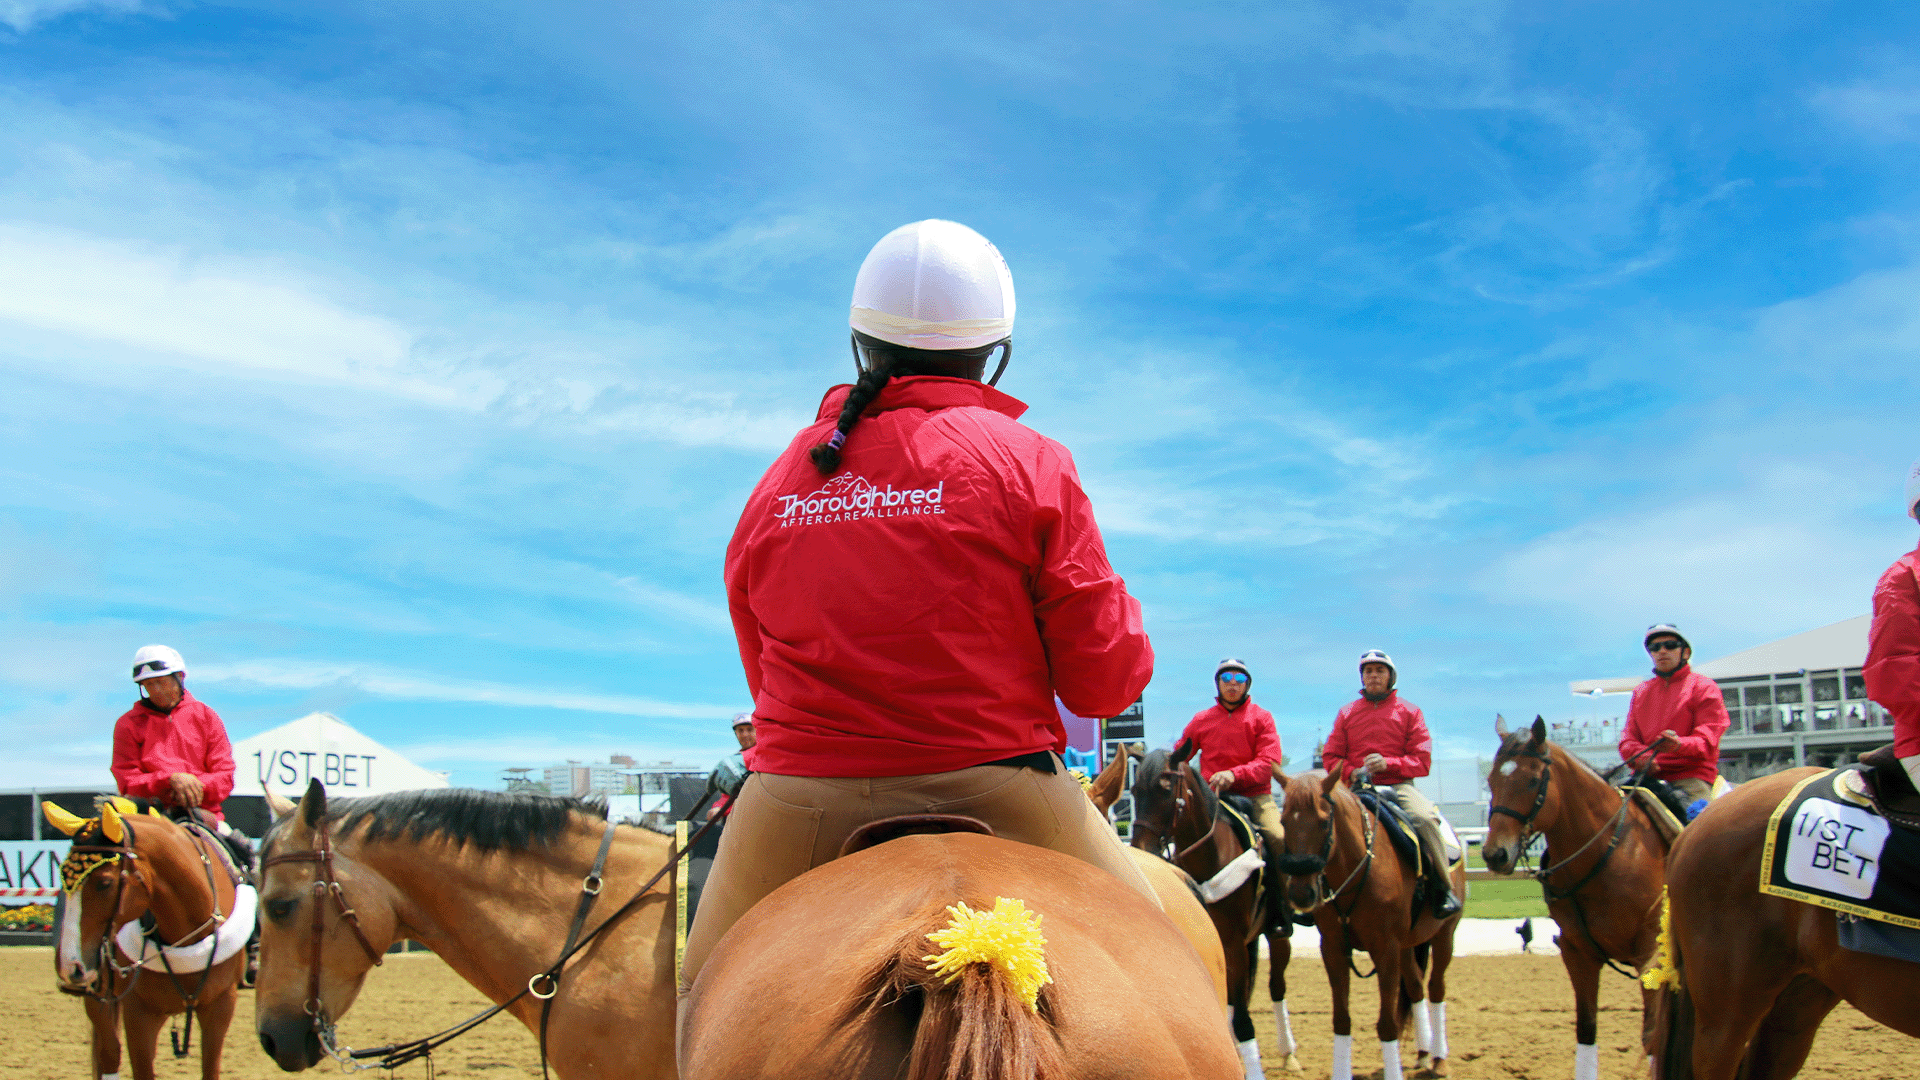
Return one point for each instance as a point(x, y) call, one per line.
point(1828, 847)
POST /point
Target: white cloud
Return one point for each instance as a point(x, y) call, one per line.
point(24, 15)
point(299, 675)
point(1883, 111)
point(1864, 328)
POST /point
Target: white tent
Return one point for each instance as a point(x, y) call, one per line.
point(322, 746)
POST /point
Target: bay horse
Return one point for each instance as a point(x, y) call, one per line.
point(1757, 973)
point(136, 883)
point(828, 978)
point(488, 881)
point(1177, 815)
point(1331, 838)
point(1602, 874)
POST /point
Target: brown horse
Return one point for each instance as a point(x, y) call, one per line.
point(1757, 973)
point(1602, 874)
point(829, 976)
point(145, 898)
point(488, 882)
point(1177, 815)
point(1362, 901)
point(1105, 788)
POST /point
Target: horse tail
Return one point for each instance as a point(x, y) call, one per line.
point(1670, 1037)
point(983, 1012)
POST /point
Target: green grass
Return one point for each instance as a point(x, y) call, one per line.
point(1496, 898)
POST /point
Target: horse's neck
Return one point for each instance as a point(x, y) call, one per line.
point(499, 917)
point(1582, 804)
point(181, 900)
point(1349, 827)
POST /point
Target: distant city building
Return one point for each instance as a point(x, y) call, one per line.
point(636, 793)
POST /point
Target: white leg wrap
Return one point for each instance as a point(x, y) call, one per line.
point(1586, 1062)
point(1342, 1057)
point(1439, 1010)
point(109, 1076)
point(1422, 1028)
point(1283, 1028)
point(1250, 1060)
point(1390, 1061)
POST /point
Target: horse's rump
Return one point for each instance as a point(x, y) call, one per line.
point(828, 976)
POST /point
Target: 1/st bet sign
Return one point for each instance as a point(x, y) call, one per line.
point(293, 768)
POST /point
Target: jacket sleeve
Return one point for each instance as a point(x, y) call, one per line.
point(1266, 754)
point(1096, 643)
point(1702, 744)
point(1893, 644)
point(218, 777)
point(1632, 739)
point(746, 627)
point(1416, 755)
point(126, 765)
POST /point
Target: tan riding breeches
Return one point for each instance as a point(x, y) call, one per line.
point(1694, 788)
point(1266, 818)
point(1426, 819)
point(784, 826)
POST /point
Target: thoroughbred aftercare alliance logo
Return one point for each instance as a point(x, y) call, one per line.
point(848, 498)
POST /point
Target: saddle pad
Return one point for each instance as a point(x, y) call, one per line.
point(1880, 939)
point(1826, 849)
point(1398, 827)
point(1240, 817)
point(1664, 822)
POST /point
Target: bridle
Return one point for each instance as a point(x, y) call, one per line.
point(1182, 790)
point(325, 885)
point(1355, 880)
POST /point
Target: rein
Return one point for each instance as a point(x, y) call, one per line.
point(1167, 849)
point(543, 985)
point(1362, 871)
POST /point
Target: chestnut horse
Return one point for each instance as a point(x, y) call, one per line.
point(1177, 815)
point(1757, 973)
point(140, 881)
point(829, 976)
point(1105, 788)
point(489, 882)
point(1602, 873)
point(1362, 901)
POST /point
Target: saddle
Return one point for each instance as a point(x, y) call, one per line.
point(1670, 798)
point(1890, 788)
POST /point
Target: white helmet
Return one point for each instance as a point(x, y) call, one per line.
point(1375, 656)
point(1913, 491)
point(153, 661)
point(934, 285)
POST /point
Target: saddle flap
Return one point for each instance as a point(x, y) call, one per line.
point(874, 833)
point(1662, 816)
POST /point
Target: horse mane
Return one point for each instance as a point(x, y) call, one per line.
point(486, 820)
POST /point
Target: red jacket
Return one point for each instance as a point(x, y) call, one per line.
point(1690, 704)
point(150, 746)
point(918, 611)
point(1893, 650)
point(1242, 742)
point(1392, 727)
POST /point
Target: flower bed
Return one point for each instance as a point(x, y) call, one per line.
point(30, 917)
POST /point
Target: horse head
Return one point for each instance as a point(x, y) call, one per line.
point(1307, 817)
point(321, 913)
point(106, 886)
point(1519, 783)
point(1170, 801)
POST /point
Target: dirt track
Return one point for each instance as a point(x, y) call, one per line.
point(1510, 1016)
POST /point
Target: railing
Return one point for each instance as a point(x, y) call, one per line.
point(1817, 716)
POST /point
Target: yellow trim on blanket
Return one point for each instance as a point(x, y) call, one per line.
point(681, 865)
point(1784, 892)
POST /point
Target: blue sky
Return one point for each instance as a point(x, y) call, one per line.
point(412, 362)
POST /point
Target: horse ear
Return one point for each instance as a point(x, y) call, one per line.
point(1335, 774)
point(279, 804)
point(1500, 726)
point(1184, 751)
point(154, 812)
point(313, 804)
point(1539, 733)
point(1279, 774)
point(60, 819)
point(111, 824)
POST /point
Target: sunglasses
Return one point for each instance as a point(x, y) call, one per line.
point(151, 665)
point(1233, 677)
point(1668, 645)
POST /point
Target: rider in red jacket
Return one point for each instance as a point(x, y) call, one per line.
point(1386, 734)
point(1893, 644)
point(171, 747)
point(911, 584)
point(1684, 706)
point(1239, 748)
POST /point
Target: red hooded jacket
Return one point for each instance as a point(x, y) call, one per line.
point(1893, 650)
point(1392, 727)
point(918, 611)
point(1690, 704)
point(1242, 742)
point(149, 746)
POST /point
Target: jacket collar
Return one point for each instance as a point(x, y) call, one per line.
point(185, 696)
point(1675, 673)
point(928, 392)
point(1390, 695)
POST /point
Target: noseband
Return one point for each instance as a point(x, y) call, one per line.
point(325, 884)
point(1527, 831)
point(1180, 796)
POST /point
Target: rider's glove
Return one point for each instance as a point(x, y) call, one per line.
point(729, 776)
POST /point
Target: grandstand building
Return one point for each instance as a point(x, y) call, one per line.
point(1801, 700)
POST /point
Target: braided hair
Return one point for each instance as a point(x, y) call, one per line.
point(882, 361)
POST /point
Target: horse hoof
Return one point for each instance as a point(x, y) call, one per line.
point(1438, 1067)
point(1293, 1063)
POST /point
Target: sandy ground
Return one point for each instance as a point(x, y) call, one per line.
point(1509, 1016)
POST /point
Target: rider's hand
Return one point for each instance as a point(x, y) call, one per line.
point(1221, 780)
point(186, 789)
point(1374, 762)
point(1670, 735)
